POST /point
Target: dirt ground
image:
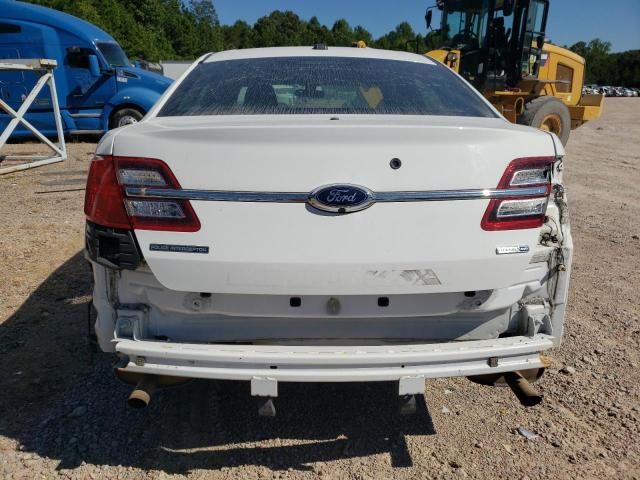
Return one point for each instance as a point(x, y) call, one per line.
point(63, 414)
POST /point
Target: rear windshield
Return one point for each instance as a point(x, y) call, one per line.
point(328, 85)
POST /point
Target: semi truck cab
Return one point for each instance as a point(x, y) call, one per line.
point(98, 87)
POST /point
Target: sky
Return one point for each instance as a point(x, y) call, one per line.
point(616, 21)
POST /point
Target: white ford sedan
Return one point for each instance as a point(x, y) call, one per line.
point(327, 215)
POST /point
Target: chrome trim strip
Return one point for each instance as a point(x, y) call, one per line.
point(441, 195)
point(218, 196)
point(300, 197)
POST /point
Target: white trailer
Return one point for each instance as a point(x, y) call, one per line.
point(174, 68)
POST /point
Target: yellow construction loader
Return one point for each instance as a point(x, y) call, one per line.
point(499, 47)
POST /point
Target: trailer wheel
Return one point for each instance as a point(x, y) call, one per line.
point(124, 117)
point(549, 114)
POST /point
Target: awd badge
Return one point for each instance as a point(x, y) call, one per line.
point(512, 249)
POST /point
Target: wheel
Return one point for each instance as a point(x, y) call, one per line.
point(124, 117)
point(549, 114)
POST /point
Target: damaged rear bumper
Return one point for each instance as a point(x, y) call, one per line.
point(333, 363)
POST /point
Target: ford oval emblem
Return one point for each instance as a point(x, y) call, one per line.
point(341, 198)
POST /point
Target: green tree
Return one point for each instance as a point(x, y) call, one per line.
point(580, 48)
point(238, 35)
point(316, 33)
point(402, 38)
point(599, 63)
point(204, 11)
point(151, 29)
point(279, 29)
point(432, 41)
point(361, 33)
point(599, 47)
point(342, 33)
point(627, 68)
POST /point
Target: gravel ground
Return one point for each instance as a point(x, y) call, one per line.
point(63, 414)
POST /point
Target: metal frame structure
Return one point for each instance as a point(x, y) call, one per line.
point(45, 68)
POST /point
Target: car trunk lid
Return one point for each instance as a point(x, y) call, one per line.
point(292, 248)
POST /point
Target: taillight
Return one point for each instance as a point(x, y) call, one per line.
point(106, 202)
point(517, 212)
point(103, 203)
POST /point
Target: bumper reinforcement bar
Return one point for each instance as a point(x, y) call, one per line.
point(334, 363)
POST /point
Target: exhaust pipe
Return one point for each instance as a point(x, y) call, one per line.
point(141, 395)
point(523, 390)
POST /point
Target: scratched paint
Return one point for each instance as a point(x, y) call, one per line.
point(412, 277)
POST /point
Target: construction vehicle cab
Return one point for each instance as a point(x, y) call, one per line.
point(499, 47)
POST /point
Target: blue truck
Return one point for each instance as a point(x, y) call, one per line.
point(98, 88)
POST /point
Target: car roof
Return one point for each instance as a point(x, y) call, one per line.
point(345, 52)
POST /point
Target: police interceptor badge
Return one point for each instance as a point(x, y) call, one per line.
point(155, 247)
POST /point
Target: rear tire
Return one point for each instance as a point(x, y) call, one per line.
point(549, 114)
point(124, 117)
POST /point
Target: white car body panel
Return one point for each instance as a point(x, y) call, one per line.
point(302, 253)
point(452, 300)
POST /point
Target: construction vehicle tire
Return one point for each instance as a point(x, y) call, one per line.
point(549, 114)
